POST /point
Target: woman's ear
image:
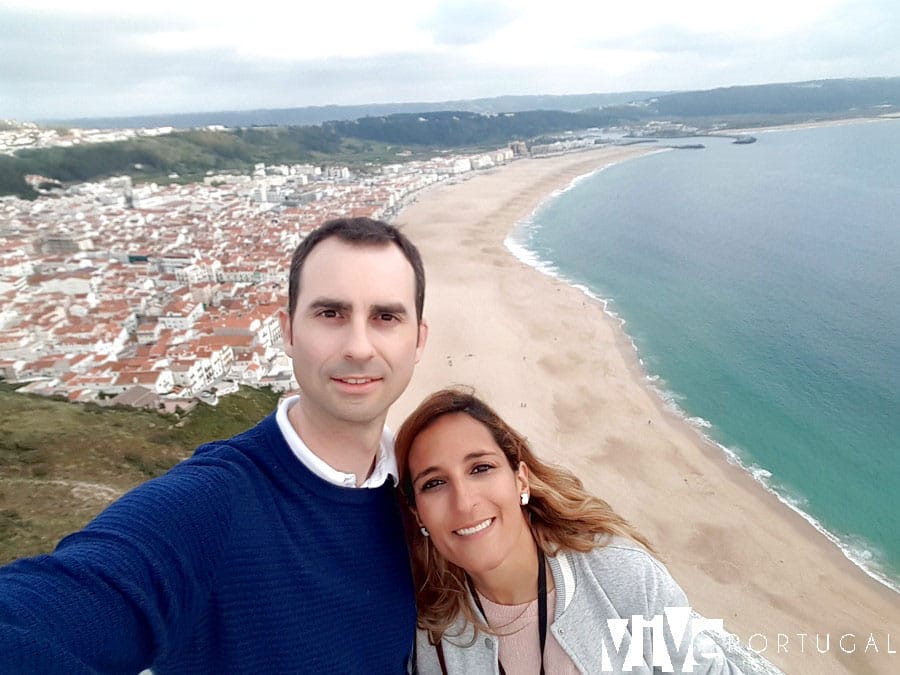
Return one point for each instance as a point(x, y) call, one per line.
point(523, 478)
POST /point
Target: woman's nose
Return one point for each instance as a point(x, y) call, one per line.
point(465, 498)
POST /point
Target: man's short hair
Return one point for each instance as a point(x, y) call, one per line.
point(362, 231)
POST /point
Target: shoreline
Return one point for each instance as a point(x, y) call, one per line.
point(697, 424)
point(812, 124)
point(617, 432)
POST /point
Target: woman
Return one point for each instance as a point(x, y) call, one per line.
point(517, 568)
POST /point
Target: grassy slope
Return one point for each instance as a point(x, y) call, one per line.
point(191, 154)
point(61, 463)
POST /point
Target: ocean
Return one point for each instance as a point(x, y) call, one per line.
point(760, 285)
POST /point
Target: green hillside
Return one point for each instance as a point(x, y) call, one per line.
point(459, 128)
point(191, 155)
point(376, 139)
point(61, 463)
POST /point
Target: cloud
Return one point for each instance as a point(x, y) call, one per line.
point(42, 33)
point(51, 49)
point(467, 22)
point(856, 39)
point(670, 39)
point(865, 30)
point(222, 80)
point(58, 63)
point(207, 82)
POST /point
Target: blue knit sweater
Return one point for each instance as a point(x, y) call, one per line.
point(238, 560)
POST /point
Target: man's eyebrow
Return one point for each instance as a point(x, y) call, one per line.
point(390, 308)
point(329, 303)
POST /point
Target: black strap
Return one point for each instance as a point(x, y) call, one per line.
point(542, 612)
point(440, 652)
point(542, 604)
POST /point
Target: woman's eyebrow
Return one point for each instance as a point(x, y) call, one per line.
point(477, 454)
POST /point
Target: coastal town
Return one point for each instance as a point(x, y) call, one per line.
point(159, 296)
point(16, 136)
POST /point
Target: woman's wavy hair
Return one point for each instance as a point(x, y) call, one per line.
point(563, 516)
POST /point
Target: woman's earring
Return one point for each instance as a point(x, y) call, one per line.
point(524, 498)
point(424, 531)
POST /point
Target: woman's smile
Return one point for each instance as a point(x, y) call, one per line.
point(468, 531)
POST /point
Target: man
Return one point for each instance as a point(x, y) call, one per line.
point(278, 550)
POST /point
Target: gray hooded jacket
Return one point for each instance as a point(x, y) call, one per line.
point(617, 580)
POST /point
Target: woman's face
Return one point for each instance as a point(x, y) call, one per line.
point(467, 495)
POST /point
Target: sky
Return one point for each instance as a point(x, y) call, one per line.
point(64, 59)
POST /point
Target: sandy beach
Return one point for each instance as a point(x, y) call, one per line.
point(564, 373)
point(813, 124)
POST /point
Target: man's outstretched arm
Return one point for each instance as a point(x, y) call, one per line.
point(115, 594)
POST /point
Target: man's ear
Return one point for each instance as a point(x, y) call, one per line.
point(286, 337)
point(422, 339)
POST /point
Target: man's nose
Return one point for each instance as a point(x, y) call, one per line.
point(358, 342)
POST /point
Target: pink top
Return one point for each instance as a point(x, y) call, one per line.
point(520, 648)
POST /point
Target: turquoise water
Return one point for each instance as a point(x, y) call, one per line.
point(761, 284)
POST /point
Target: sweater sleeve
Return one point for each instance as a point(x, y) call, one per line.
point(689, 641)
point(114, 595)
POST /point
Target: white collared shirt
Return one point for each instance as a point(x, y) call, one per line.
point(385, 463)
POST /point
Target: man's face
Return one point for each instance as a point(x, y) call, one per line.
point(354, 338)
